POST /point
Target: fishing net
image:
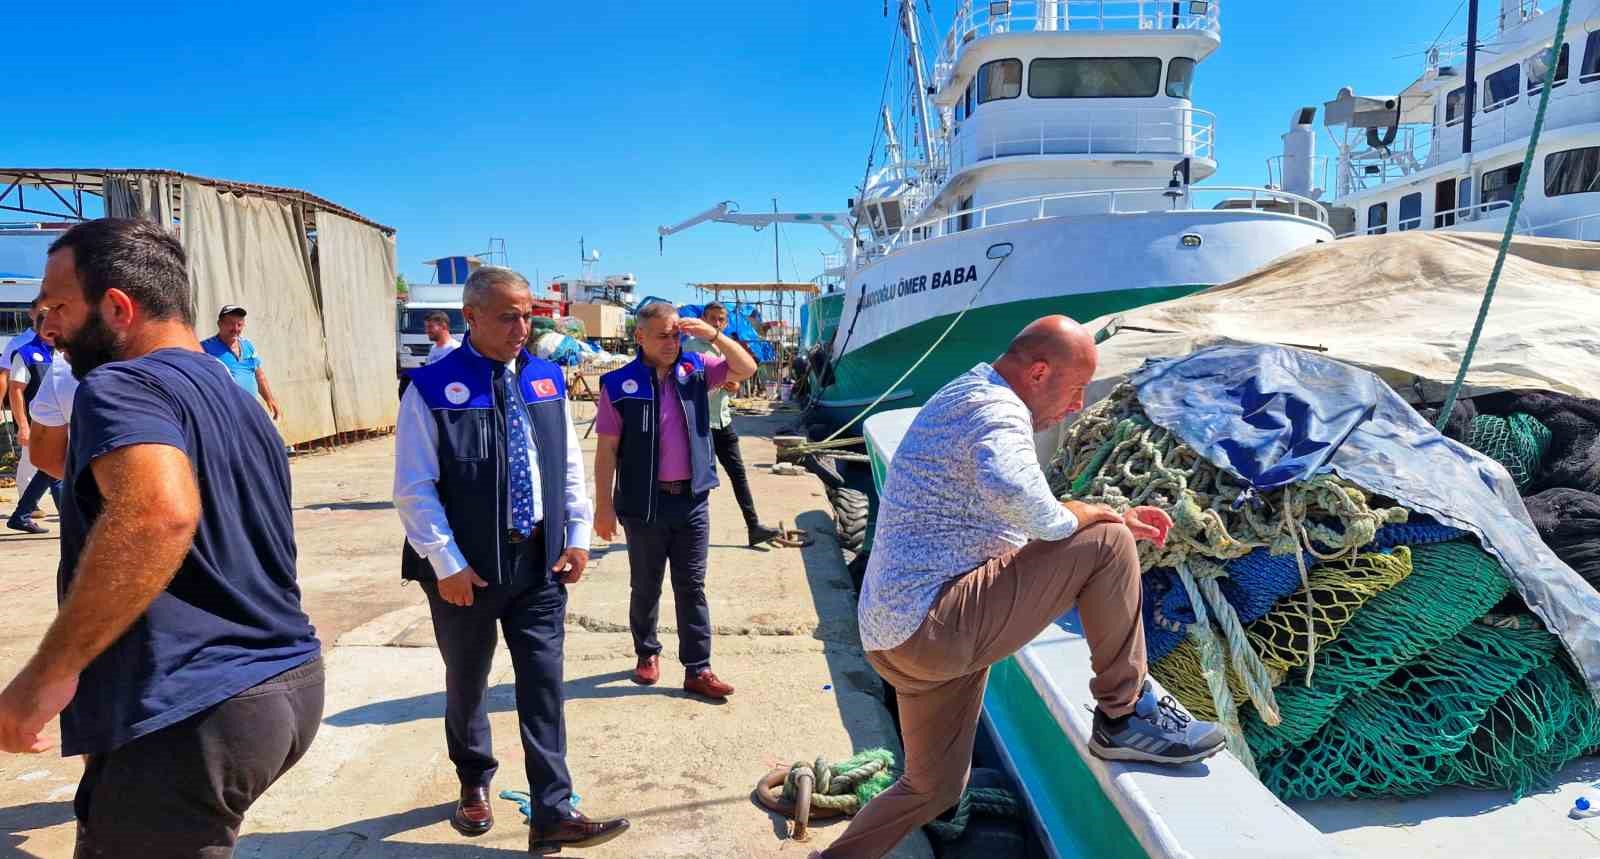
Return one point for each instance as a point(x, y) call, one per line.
point(1401, 738)
point(1332, 634)
point(1546, 720)
point(1450, 585)
point(1568, 520)
point(1519, 442)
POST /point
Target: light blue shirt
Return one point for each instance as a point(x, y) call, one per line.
point(241, 367)
point(964, 486)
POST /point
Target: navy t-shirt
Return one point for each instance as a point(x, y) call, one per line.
point(231, 617)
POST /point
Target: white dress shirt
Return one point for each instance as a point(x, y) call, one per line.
point(416, 492)
point(52, 404)
point(435, 352)
point(13, 345)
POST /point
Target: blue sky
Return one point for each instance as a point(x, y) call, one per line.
point(550, 121)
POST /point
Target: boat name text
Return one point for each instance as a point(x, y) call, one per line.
point(921, 283)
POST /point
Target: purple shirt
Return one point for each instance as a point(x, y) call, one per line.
point(672, 427)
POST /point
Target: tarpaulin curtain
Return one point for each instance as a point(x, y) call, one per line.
point(356, 269)
point(139, 196)
point(250, 251)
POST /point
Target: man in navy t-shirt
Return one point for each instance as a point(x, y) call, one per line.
point(180, 660)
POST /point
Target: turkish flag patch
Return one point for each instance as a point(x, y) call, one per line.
point(544, 387)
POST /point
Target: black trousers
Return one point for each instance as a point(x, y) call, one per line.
point(181, 792)
point(679, 535)
point(726, 442)
point(531, 611)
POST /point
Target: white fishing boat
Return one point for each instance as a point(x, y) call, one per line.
point(1447, 151)
point(1053, 152)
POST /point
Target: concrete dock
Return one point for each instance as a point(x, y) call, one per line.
point(377, 781)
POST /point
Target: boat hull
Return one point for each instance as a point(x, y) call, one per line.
point(1083, 266)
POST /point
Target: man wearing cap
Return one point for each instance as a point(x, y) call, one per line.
point(239, 355)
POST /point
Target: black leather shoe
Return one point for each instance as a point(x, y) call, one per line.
point(575, 831)
point(763, 534)
point(474, 816)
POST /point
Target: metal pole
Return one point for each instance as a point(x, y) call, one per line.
point(777, 276)
point(1472, 80)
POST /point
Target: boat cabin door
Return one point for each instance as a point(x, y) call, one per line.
point(1444, 204)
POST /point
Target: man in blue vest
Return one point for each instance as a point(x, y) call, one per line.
point(654, 469)
point(489, 485)
point(30, 365)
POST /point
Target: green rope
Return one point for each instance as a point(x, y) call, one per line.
point(986, 801)
point(1511, 217)
point(844, 786)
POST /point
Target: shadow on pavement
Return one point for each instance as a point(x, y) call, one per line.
point(351, 505)
point(24, 818)
point(367, 838)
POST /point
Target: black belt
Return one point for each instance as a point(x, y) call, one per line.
point(673, 487)
point(514, 536)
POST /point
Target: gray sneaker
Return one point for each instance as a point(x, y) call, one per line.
point(1158, 731)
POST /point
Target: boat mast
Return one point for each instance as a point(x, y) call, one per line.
point(891, 145)
point(908, 22)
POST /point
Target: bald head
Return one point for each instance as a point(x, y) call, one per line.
point(1048, 364)
point(1055, 340)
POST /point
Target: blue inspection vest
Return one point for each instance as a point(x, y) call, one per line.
point(460, 391)
point(38, 355)
point(633, 392)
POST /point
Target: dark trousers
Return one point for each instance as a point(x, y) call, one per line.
point(28, 501)
point(531, 611)
point(181, 792)
point(726, 442)
point(679, 534)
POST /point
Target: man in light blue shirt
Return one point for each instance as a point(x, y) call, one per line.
point(974, 556)
point(239, 355)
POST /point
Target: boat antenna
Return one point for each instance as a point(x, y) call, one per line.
point(1472, 84)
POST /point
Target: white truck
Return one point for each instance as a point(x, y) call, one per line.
point(422, 299)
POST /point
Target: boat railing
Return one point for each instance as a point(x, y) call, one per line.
point(1179, 132)
point(1583, 228)
point(976, 20)
point(1107, 202)
point(1445, 220)
point(1321, 171)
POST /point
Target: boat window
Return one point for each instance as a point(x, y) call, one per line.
point(1180, 77)
point(961, 110)
point(964, 222)
point(1500, 88)
point(1499, 186)
point(1455, 104)
point(1464, 193)
point(1538, 65)
point(1575, 171)
point(1410, 211)
point(967, 97)
point(1094, 77)
point(1378, 219)
point(1591, 59)
point(891, 215)
point(999, 79)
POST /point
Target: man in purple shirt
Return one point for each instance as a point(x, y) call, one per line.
point(654, 470)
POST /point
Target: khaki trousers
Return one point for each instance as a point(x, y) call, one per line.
point(984, 616)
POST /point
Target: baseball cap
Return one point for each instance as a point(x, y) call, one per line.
point(230, 310)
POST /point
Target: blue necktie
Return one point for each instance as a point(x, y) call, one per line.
point(517, 456)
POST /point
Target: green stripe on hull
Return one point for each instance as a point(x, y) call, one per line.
point(1068, 802)
point(981, 336)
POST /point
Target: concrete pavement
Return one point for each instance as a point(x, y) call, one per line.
point(377, 782)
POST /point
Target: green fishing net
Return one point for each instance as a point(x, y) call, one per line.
point(1518, 442)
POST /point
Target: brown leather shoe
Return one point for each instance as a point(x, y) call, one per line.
point(706, 684)
point(474, 816)
point(648, 671)
point(575, 831)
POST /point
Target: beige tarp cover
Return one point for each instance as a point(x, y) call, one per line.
point(250, 251)
point(1401, 305)
point(356, 270)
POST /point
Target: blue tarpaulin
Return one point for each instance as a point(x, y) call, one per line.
point(739, 327)
point(1273, 415)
